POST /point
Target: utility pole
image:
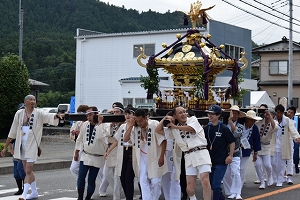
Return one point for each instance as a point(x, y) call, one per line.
point(290, 71)
point(21, 13)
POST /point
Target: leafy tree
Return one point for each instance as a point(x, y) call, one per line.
point(51, 99)
point(14, 87)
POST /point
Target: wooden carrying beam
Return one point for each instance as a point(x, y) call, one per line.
point(119, 118)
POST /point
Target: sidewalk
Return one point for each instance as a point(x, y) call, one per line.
point(57, 153)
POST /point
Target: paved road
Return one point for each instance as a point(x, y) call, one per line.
point(59, 184)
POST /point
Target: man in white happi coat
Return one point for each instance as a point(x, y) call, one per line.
point(291, 111)
point(171, 180)
point(125, 156)
point(281, 146)
point(111, 159)
point(74, 132)
point(150, 150)
point(232, 179)
point(103, 181)
point(91, 140)
point(27, 129)
point(267, 127)
point(189, 136)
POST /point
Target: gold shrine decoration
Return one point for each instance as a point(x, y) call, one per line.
point(198, 15)
point(141, 56)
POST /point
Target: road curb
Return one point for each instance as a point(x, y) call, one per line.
point(39, 167)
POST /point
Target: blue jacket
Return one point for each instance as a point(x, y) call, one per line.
point(254, 142)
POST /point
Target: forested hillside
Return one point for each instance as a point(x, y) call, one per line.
point(50, 27)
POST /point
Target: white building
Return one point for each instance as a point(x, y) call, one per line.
point(106, 64)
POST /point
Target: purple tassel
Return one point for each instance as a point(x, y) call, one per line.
point(185, 20)
point(149, 95)
point(204, 20)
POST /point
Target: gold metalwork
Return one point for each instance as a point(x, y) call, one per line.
point(186, 48)
point(189, 55)
point(178, 55)
point(142, 55)
point(208, 36)
point(243, 60)
point(178, 36)
point(196, 14)
point(164, 45)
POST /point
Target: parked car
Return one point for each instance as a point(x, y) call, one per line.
point(63, 108)
point(49, 110)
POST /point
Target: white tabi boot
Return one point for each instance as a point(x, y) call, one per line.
point(34, 193)
point(24, 194)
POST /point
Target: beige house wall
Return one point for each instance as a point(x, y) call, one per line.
point(264, 68)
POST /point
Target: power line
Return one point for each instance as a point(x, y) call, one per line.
point(258, 16)
point(275, 9)
point(267, 12)
point(272, 32)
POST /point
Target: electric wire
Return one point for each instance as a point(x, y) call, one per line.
point(268, 12)
point(259, 16)
point(275, 10)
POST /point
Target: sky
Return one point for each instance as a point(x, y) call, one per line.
point(263, 32)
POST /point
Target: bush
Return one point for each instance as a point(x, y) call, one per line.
point(14, 86)
point(2, 146)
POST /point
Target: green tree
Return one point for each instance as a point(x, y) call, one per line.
point(14, 87)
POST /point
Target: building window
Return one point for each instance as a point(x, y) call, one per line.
point(140, 100)
point(150, 100)
point(278, 67)
point(127, 101)
point(149, 49)
point(234, 51)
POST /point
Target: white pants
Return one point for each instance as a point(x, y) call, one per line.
point(290, 163)
point(278, 165)
point(170, 186)
point(114, 181)
point(232, 179)
point(103, 182)
point(151, 188)
point(243, 168)
point(290, 167)
point(263, 162)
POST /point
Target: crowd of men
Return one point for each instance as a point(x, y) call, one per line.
point(165, 156)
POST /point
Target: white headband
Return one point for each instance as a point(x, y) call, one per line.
point(120, 108)
point(92, 112)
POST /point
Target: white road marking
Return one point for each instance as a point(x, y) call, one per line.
point(8, 190)
point(13, 197)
